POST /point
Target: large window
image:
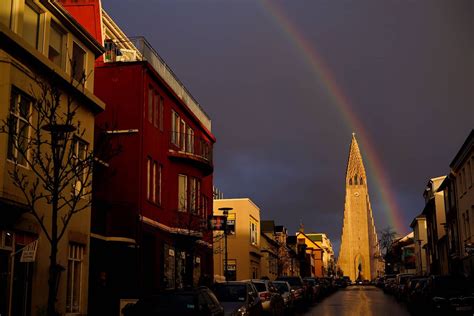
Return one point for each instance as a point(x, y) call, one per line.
point(18, 126)
point(175, 125)
point(78, 63)
point(150, 104)
point(31, 22)
point(153, 192)
point(55, 50)
point(190, 140)
point(253, 232)
point(182, 193)
point(74, 278)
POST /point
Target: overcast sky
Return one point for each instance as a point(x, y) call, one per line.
point(407, 68)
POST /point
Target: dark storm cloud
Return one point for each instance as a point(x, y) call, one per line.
point(406, 66)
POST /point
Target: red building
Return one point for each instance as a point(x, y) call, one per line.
point(152, 201)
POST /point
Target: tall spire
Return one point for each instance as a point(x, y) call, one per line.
point(355, 166)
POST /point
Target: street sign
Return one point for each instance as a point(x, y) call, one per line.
point(28, 253)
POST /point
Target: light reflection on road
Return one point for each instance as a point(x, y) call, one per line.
point(358, 300)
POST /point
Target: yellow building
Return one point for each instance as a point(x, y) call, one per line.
point(314, 256)
point(269, 248)
point(243, 240)
point(328, 253)
point(37, 40)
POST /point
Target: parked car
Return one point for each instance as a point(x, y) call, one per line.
point(449, 295)
point(284, 288)
point(313, 289)
point(297, 285)
point(415, 295)
point(272, 302)
point(389, 285)
point(401, 282)
point(200, 301)
point(239, 298)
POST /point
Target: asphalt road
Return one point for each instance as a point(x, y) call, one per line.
point(357, 300)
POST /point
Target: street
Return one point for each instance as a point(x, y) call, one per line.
point(358, 300)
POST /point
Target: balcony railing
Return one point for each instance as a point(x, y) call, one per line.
point(191, 146)
point(138, 49)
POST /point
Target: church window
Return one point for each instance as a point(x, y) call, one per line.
point(361, 180)
point(355, 179)
point(350, 181)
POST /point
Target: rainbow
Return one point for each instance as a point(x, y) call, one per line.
point(344, 106)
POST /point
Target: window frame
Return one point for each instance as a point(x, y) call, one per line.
point(183, 202)
point(53, 25)
point(30, 4)
point(18, 95)
point(75, 257)
point(82, 77)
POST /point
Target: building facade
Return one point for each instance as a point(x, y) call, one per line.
point(436, 247)
point(313, 265)
point(329, 267)
point(359, 254)
point(152, 201)
point(459, 204)
point(41, 43)
point(243, 241)
point(420, 238)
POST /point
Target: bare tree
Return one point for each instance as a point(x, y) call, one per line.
point(387, 236)
point(56, 185)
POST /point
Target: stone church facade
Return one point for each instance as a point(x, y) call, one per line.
point(359, 256)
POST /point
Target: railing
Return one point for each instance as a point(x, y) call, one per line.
point(192, 145)
point(138, 49)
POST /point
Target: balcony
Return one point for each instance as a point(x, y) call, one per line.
point(192, 148)
point(134, 49)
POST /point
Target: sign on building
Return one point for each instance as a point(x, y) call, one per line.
point(28, 253)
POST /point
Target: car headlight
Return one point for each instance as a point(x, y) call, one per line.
point(242, 311)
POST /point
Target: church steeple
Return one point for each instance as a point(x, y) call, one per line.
point(355, 173)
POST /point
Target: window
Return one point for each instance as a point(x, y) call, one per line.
point(148, 178)
point(231, 223)
point(31, 19)
point(182, 193)
point(18, 129)
point(198, 198)
point(78, 63)
point(153, 186)
point(175, 123)
point(6, 6)
point(55, 50)
point(81, 172)
point(469, 174)
point(161, 113)
point(156, 100)
point(193, 195)
point(150, 104)
point(190, 140)
point(355, 179)
point(253, 233)
point(74, 278)
point(182, 135)
point(361, 181)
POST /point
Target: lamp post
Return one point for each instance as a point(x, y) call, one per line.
point(225, 212)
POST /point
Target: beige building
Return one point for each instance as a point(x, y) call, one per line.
point(37, 41)
point(328, 253)
point(243, 240)
point(420, 239)
point(462, 168)
point(359, 254)
point(434, 210)
point(269, 261)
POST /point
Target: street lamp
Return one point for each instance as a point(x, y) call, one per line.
point(225, 212)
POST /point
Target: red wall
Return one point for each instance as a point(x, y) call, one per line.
point(124, 88)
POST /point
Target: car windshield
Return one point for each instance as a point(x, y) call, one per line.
point(292, 281)
point(281, 287)
point(260, 286)
point(231, 292)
